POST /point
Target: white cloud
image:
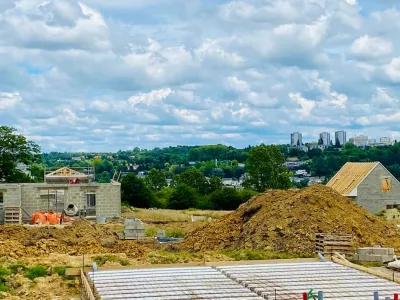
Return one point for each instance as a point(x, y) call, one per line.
point(371, 47)
point(9, 100)
point(306, 104)
point(193, 72)
point(152, 98)
point(392, 70)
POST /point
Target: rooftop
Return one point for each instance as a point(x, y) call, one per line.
point(350, 175)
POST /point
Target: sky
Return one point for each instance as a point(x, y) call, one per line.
point(101, 75)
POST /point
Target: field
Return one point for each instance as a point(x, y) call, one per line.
point(33, 259)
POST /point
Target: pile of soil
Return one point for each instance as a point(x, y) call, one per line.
point(288, 220)
point(81, 237)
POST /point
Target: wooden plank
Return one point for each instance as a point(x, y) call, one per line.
point(86, 287)
point(76, 271)
point(366, 270)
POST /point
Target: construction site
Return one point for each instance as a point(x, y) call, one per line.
point(311, 243)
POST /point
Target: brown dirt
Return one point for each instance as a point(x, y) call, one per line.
point(81, 237)
point(288, 220)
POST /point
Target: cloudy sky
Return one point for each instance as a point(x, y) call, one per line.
point(102, 75)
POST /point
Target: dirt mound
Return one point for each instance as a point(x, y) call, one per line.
point(81, 237)
point(288, 220)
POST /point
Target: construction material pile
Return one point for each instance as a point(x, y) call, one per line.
point(288, 220)
point(81, 237)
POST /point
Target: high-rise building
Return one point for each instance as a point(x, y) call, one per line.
point(386, 140)
point(340, 138)
point(325, 139)
point(359, 140)
point(296, 139)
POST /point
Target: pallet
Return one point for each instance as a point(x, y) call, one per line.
point(12, 214)
point(328, 243)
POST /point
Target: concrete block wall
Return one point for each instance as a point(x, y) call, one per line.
point(108, 200)
point(369, 192)
point(108, 197)
point(11, 196)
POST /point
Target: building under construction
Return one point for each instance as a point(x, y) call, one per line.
point(62, 188)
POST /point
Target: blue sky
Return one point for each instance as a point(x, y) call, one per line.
point(101, 75)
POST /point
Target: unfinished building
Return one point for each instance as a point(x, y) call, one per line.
point(61, 188)
point(369, 184)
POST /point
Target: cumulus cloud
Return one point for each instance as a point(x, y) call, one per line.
point(371, 47)
point(9, 100)
point(193, 72)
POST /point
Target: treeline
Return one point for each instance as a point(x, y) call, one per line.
point(328, 162)
point(190, 189)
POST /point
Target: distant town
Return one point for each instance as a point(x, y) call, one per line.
point(325, 141)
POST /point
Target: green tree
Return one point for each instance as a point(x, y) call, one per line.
point(103, 177)
point(156, 179)
point(183, 197)
point(193, 178)
point(215, 183)
point(265, 169)
point(225, 199)
point(14, 148)
point(37, 172)
point(135, 192)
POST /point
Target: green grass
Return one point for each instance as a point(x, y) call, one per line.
point(150, 232)
point(4, 271)
point(3, 286)
point(175, 232)
point(367, 264)
point(16, 267)
point(165, 257)
point(260, 255)
point(60, 270)
point(35, 272)
point(102, 259)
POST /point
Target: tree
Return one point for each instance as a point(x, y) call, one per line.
point(265, 169)
point(337, 143)
point(183, 197)
point(156, 179)
point(37, 172)
point(193, 178)
point(215, 183)
point(225, 199)
point(135, 192)
point(14, 148)
point(103, 177)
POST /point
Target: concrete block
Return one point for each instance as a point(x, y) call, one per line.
point(380, 251)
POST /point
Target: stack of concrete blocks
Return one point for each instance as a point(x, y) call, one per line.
point(374, 254)
point(133, 229)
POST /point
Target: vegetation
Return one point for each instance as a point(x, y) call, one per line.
point(265, 169)
point(14, 149)
point(34, 272)
point(135, 192)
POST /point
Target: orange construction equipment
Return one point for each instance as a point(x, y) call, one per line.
point(42, 217)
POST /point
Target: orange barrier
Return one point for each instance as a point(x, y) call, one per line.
point(42, 217)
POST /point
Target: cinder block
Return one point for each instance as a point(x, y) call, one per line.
point(380, 251)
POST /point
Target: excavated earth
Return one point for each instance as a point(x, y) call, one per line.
point(81, 237)
point(288, 221)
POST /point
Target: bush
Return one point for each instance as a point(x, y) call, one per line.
point(183, 197)
point(225, 199)
point(4, 272)
point(3, 286)
point(60, 270)
point(34, 272)
point(16, 267)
